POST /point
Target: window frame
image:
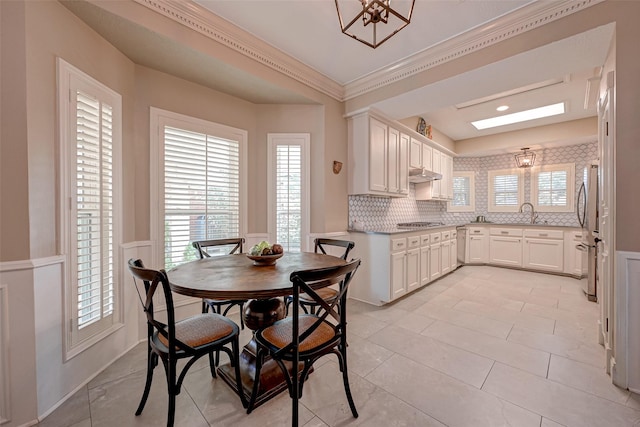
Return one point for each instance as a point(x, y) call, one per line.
point(570, 168)
point(75, 340)
point(471, 207)
point(491, 174)
point(160, 118)
point(303, 140)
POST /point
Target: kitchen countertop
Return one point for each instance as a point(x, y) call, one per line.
point(396, 230)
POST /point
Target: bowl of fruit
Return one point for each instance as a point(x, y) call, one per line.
point(265, 253)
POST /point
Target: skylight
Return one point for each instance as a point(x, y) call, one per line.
point(522, 116)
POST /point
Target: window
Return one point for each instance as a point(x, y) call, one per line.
point(90, 142)
point(199, 169)
point(505, 190)
point(288, 194)
point(553, 187)
point(463, 193)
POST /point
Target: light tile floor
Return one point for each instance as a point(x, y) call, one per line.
point(483, 346)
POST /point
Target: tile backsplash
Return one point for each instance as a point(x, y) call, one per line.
point(379, 213)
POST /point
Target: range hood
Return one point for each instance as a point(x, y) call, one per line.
point(417, 175)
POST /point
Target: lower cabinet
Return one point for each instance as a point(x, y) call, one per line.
point(505, 251)
point(543, 250)
point(477, 250)
point(393, 266)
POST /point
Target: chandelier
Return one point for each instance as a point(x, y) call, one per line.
point(525, 159)
point(372, 13)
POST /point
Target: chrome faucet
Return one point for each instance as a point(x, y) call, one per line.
point(534, 215)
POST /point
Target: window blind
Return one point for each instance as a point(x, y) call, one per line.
point(201, 191)
point(289, 197)
point(94, 209)
point(505, 190)
point(552, 188)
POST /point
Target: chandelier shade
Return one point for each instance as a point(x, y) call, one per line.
point(373, 22)
point(526, 159)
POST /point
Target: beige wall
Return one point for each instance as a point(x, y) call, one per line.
point(14, 179)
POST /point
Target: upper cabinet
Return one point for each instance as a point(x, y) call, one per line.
point(382, 151)
point(378, 158)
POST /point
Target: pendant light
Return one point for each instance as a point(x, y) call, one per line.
point(525, 159)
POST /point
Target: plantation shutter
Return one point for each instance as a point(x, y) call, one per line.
point(94, 206)
point(552, 188)
point(289, 197)
point(505, 190)
point(461, 191)
point(201, 191)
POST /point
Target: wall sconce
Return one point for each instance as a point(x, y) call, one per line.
point(337, 167)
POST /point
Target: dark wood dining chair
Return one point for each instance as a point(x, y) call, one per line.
point(301, 339)
point(217, 305)
point(321, 245)
point(190, 338)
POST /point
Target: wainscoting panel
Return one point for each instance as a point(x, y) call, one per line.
point(5, 414)
point(627, 317)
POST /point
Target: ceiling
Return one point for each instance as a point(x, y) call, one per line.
point(308, 30)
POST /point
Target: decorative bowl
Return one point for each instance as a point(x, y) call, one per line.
point(264, 259)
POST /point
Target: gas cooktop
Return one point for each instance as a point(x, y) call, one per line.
point(420, 224)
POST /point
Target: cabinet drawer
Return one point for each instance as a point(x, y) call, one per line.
point(435, 237)
point(424, 239)
point(398, 244)
point(454, 234)
point(498, 231)
point(544, 234)
point(576, 236)
point(477, 231)
point(446, 235)
point(413, 241)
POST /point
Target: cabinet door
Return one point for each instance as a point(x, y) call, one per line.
point(447, 177)
point(434, 261)
point(505, 250)
point(393, 158)
point(425, 275)
point(454, 254)
point(427, 154)
point(413, 269)
point(543, 254)
point(398, 274)
point(403, 165)
point(437, 167)
point(415, 152)
point(445, 257)
point(377, 155)
point(478, 249)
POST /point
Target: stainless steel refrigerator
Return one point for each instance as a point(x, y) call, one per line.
point(587, 210)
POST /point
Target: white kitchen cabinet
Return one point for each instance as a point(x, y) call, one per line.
point(543, 250)
point(477, 251)
point(427, 155)
point(398, 274)
point(413, 269)
point(378, 158)
point(425, 275)
point(436, 158)
point(446, 186)
point(435, 260)
point(454, 252)
point(415, 152)
point(575, 259)
point(505, 246)
point(445, 257)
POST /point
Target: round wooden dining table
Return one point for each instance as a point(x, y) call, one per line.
point(238, 277)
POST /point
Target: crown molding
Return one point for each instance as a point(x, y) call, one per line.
point(218, 29)
point(528, 17)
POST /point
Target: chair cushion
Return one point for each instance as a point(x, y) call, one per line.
point(280, 333)
point(327, 294)
point(201, 329)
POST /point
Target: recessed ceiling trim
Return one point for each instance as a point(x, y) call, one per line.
point(218, 29)
point(517, 91)
point(519, 21)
